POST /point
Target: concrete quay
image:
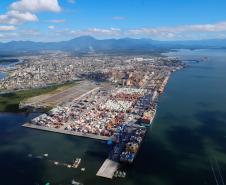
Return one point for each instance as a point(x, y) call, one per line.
point(108, 169)
point(68, 132)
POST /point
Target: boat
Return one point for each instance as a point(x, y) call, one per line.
point(120, 174)
point(83, 169)
point(75, 182)
point(123, 174)
point(76, 162)
point(45, 155)
point(148, 117)
point(56, 163)
point(116, 174)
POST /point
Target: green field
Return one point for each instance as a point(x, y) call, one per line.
point(10, 102)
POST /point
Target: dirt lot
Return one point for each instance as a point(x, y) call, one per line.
point(60, 96)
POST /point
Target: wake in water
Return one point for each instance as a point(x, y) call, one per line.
point(216, 170)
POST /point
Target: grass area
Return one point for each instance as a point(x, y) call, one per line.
point(10, 102)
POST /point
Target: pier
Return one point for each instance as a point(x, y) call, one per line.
point(68, 132)
point(108, 169)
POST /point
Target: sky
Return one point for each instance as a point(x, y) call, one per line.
point(58, 20)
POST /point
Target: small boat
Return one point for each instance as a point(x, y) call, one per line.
point(116, 174)
point(76, 162)
point(45, 155)
point(123, 174)
point(83, 169)
point(69, 166)
point(56, 163)
point(75, 182)
point(119, 174)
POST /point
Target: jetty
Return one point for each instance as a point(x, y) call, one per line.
point(108, 169)
point(68, 132)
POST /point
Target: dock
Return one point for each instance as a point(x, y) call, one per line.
point(68, 132)
point(108, 169)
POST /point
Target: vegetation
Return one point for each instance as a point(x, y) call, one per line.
point(9, 102)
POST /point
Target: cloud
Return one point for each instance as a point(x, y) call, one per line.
point(96, 32)
point(16, 17)
point(198, 28)
point(36, 5)
point(57, 21)
point(29, 32)
point(51, 27)
point(71, 1)
point(182, 32)
point(179, 31)
point(7, 28)
point(25, 34)
point(118, 18)
point(23, 11)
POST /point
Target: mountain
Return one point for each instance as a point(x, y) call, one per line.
point(88, 43)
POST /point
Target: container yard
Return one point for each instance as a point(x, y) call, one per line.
point(115, 114)
point(98, 113)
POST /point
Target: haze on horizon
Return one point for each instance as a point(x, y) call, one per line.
point(57, 20)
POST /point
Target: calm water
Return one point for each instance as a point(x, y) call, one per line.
point(185, 144)
point(6, 63)
point(2, 75)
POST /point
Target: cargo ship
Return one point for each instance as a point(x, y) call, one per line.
point(149, 115)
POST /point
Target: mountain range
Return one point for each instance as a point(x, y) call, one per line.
point(90, 44)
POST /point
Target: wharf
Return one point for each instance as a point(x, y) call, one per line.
point(68, 132)
point(108, 169)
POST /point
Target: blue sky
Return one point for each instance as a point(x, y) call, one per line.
point(55, 20)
